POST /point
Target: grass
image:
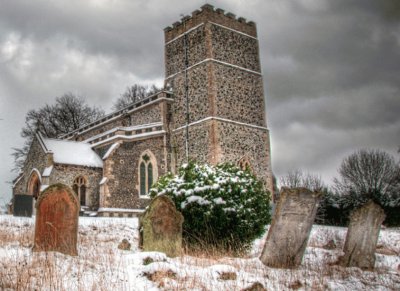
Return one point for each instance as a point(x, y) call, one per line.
point(100, 265)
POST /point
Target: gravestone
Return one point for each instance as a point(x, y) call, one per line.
point(362, 236)
point(161, 227)
point(56, 227)
point(290, 228)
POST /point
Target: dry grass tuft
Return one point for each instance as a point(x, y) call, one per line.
point(159, 277)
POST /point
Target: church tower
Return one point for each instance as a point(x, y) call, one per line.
point(213, 67)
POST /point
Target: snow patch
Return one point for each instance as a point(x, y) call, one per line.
point(47, 171)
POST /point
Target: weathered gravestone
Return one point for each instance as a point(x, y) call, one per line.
point(56, 227)
point(161, 227)
point(362, 236)
point(290, 228)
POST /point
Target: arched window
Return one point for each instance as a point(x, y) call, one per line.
point(79, 188)
point(143, 179)
point(244, 164)
point(147, 172)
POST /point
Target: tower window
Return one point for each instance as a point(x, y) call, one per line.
point(244, 164)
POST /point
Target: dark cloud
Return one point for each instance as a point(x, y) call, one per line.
point(331, 68)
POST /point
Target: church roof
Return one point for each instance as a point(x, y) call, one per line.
point(72, 152)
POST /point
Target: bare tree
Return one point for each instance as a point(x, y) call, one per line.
point(134, 94)
point(297, 178)
point(67, 114)
point(369, 174)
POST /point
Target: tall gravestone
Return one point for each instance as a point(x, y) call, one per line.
point(161, 227)
point(290, 228)
point(56, 227)
point(362, 236)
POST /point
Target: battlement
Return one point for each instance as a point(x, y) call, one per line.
point(208, 13)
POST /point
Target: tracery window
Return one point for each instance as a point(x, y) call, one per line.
point(244, 164)
point(79, 188)
point(147, 173)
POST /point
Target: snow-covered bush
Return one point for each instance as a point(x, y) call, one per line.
point(223, 206)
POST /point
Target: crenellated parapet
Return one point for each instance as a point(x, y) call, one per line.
point(208, 13)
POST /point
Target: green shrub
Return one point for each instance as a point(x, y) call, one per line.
point(223, 206)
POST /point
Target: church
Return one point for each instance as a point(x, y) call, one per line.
point(212, 110)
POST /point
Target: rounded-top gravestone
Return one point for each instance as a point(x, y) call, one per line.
point(56, 227)
point(161, 227)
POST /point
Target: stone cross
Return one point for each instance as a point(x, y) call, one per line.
point(290, 228)
point(161, 227)
point(362, 236)
point(56, 226)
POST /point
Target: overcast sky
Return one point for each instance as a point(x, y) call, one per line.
point(331, 68)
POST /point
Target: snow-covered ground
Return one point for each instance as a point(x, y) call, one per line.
point(102, 266)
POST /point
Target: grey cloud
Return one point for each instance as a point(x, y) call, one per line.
point(365, 108)
point(334, 49)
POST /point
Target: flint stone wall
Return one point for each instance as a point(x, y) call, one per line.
point(200, 105)
point(66, 174)
point(234, 48)
point(122, 171)
point(237, 141)
point(36, 158)
point(175, 51)
point(200, 144)
point(239, 95)
point(290, 228)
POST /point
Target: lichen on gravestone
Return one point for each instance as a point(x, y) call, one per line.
point(161, 227)
point(362, 236)
point(290, 228)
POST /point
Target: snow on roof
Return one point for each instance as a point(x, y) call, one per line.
point(20, 175)
point(73, 153)
point(47, 171)
point(110, 150)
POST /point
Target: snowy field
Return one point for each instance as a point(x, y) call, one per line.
point(102, 266)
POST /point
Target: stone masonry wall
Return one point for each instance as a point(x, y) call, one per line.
point(200, 143)
point(239, 95)
point(199, 100)
point(234, 48)
point(238, 141)
point(36, 158)
point(175, 51)
point(122, 172)
point(149, 114)
point(66, 174)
